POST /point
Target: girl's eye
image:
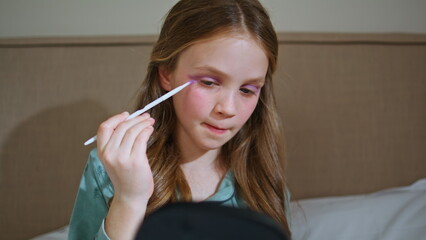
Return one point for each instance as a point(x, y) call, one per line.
point(207, 82)
point(246, 91)
point(250, 90)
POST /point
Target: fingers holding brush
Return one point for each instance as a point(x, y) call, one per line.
point(122, 149)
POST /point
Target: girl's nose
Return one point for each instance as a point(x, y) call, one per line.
point(225, 105)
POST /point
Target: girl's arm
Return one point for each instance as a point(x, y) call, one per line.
point(124, 219)
point(91, 204)
point(122, 150)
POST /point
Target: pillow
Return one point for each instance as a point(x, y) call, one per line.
point(59, 234)
point(392, 214)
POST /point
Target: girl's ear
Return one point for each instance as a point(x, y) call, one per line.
point(165, 78)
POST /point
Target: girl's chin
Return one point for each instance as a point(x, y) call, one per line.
point(211, 145)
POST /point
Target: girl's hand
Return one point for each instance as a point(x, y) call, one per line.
point(122, 149)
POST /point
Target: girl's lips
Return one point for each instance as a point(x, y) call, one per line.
point(215, 129)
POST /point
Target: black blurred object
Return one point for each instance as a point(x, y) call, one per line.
point(208, 221)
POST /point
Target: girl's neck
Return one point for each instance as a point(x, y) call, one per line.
point(193, 158)
point(200, 159)
point(203, 172)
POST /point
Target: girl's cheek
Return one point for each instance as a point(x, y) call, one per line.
point(197, 98)
point(203, 99)
point(247, 109)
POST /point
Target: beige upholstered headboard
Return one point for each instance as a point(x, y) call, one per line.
point(353, 109)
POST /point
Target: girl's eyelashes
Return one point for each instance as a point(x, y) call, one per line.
point(247, 89)
point(250, 89)
point(208, 83)
point(205, 81)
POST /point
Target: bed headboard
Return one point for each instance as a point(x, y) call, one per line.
point(353, 108)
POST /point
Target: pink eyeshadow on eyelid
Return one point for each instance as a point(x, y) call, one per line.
point(201, 77)
point(253, 88)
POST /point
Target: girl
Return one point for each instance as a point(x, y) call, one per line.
point(216, 140)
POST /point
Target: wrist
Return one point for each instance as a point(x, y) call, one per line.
point(130, 203)
point(124, 217)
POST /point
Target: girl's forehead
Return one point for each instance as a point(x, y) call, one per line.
point(220, 38)
point(226, 51)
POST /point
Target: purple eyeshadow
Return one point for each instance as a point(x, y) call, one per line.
point(198, 78)
point(253, 88)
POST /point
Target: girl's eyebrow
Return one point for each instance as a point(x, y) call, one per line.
point(212, 70)
point(256, 80)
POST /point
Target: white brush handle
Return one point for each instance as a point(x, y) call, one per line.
point(149, 106)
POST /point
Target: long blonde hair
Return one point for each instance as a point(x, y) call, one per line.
point(255, 154)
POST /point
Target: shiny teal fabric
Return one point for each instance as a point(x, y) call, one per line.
point(96, 189)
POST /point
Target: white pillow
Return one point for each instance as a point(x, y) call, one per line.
point(59, 234)
point(392, 214)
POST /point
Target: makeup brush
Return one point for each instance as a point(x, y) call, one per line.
point(150, 105)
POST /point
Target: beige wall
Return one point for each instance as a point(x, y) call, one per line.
point(21, 18)
point(353, 110)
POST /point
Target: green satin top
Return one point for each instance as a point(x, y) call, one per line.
point(96, 189)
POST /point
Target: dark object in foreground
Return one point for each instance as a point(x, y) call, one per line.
point(208, 221)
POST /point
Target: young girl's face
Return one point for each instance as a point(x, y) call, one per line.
point(229, 72)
